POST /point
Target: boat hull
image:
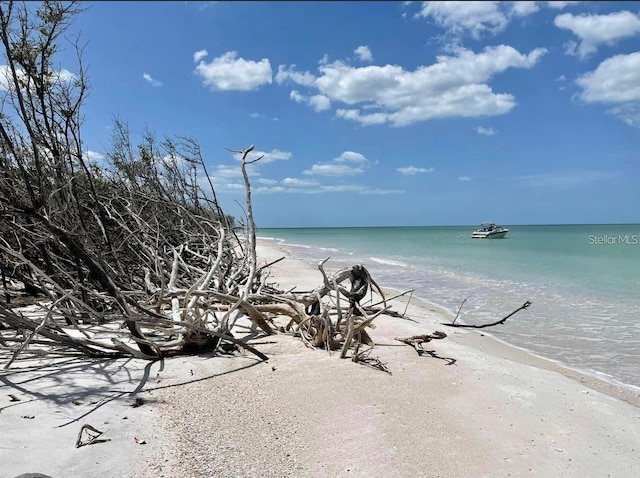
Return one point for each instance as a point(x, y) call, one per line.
point(489, 235)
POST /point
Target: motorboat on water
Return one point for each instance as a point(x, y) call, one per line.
point(489, 230)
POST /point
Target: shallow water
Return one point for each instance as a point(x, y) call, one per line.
point(583, 281)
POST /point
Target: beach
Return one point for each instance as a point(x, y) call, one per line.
point(471, 407)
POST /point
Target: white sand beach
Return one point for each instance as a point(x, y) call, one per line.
point(473, 407)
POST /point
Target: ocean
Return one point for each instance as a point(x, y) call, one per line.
point(583, 282)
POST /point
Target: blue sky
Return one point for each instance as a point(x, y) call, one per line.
point(384, 113)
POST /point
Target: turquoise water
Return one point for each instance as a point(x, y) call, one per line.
point(583, 281)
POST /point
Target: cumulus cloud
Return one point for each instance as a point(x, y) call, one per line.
point(479, 18)
point(596, 30)
point(470, 17)
point(412, 170)
point(476, 18)
point(464, 178)
point(199, 55)
point(297, 97)
point(363, 53)
point(455, 85)
point(289, 73)
point(150, 80)
point(616, 81)
point(561, 5)
point(522, 9)
point(228, 178)
point(347, 164)
point(486, 131)
point(229, 73)
point(6, 84)
point(317, 102)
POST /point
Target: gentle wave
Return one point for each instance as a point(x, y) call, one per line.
point(265, 238)
point(388, 262)
point(579, 332)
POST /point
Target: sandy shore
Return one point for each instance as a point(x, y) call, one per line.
point(474, 407)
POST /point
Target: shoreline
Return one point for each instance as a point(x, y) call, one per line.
point(469, 406)
point(620, 390)
point(488, 343)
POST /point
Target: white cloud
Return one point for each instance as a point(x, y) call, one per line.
point(64, 75)
point(479, 18)
point(347, 164)
point(299, 183)
point(299, 186)
point(288, 73)
point(267, 157)
point(6, 84)
point(228, 178)
point(596, 30)
point(363, 53)
point(474, 17)
point(319, 103)
point(486, 131)
point(453, 86)
point(199, 55)
point(227, 172)
point(268, 182)
point(616, 81)
point(150, 80)
point(297, 97)
point(561, 5)
point(412, 170)
point(333, 169)
point(628, 112)
point(351, 157)
point(227, 73)
point(522, 9)
point(93, 156)
point(464, 178)
point(561, 78)
point(366, 120)
point(563, 179)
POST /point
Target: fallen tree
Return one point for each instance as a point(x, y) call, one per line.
point(128, 255)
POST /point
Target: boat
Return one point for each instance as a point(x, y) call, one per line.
point(489, 230)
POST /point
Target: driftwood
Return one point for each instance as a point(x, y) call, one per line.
point(482, 326)
point(416, 341)
point(132, 255)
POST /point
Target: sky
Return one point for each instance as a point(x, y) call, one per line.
point(383, 113)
